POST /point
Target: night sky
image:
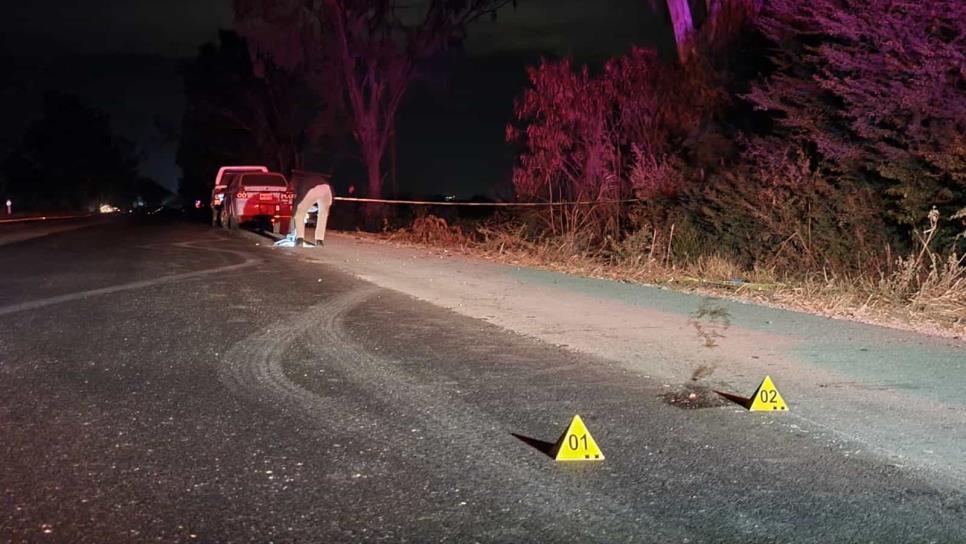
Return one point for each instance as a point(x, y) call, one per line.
point(123, 56)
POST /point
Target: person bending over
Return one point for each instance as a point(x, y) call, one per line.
point(311, 190)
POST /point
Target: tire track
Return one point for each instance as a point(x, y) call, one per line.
point(252, 369)
point(468, 435)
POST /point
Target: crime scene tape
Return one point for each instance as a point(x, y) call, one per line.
point(493, 204)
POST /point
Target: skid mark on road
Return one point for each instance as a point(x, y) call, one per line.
point(247, 261)
point(253, 369)
point(469, 434)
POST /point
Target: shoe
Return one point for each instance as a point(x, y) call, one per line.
point(302, 242)
point(320, 243)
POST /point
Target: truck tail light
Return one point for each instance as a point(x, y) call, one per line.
point(241, 194)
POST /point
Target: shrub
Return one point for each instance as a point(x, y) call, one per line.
point(577, 135)
point(928, 282)
point(775, 211)
point(877, 89)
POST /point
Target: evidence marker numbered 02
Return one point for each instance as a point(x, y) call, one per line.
point(767, 398)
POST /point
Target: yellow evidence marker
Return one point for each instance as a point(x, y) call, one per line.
point(767, 398)
point(576, 444)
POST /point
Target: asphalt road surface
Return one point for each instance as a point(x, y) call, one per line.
point(164, 381)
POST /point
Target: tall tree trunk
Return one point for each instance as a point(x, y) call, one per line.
point(372, 146)
point(392, 163)
point(724, 16)
point(711, 17)
point(683, 26)
point(373, 211)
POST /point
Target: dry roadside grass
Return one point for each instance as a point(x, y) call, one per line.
point(925, 294)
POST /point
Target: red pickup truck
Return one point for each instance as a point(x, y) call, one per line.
point(258, 198)
point(225, 174)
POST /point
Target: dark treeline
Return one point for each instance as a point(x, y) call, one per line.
point(321, 86)
point(71, 159)
point(240, 111)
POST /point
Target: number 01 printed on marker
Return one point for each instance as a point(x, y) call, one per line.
point(576, 444)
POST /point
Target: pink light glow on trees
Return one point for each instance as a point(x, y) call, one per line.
point(878, 89)
point(609, 136)
point(582, 135)
point(683, 25)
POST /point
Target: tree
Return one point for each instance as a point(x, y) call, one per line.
point(683, 25)
point(244, 110)
point(71, 159)
point(583, 134)
point(877, 90)
point(721, 19)
point(368, 50)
